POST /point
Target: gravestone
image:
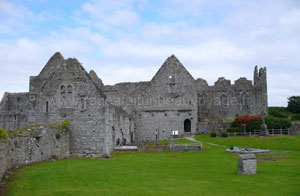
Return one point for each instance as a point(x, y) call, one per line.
point(246, 164)
point(263, 129)
point(243, 129)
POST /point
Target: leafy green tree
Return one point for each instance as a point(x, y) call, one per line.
point(279, 112)
point(294, 104)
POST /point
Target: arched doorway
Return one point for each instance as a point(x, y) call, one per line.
point(187, 125)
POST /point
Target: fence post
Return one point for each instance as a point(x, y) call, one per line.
point(281, 131)
point(272, 132)
point(288, 131)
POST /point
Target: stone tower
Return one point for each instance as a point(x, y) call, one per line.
point(260, 85)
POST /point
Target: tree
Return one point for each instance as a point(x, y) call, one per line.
point(294, 104)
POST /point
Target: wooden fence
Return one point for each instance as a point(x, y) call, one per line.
point(272, 132)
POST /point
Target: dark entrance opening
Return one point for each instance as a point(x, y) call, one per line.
point(187, 125)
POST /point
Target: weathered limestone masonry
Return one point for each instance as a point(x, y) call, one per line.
point(34, 145)
point(103, 116)
point(65, 91)
point(174, 100)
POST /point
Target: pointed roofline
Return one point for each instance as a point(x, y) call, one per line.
point(54, 60)
point(172, 58)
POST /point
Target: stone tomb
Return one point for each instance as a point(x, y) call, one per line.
point(246, 164)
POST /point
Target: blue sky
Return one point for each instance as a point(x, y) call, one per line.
point(128, 40)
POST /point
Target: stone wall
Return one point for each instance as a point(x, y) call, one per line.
point(13, 111)
point(295, 128)
point(33, 145)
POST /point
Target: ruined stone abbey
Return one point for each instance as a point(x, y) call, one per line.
point(104, 116)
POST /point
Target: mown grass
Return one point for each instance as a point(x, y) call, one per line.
point(208, 172)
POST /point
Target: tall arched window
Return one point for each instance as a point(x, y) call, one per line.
point(70, 89)
point(244, 100)
point(62, 89)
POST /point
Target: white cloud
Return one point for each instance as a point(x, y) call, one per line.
point(115, 13)
point(228, 42)
point(12, 18)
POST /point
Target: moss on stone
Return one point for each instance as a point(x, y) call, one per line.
point(64, 126)
point(3, 134)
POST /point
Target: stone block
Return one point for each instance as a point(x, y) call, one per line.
point(246, 164)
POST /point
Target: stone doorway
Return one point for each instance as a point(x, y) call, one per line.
point(187, 125)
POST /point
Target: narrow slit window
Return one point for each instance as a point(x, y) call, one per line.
point(82, 104)
point(47, 106)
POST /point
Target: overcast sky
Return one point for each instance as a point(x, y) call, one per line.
point(128, 40)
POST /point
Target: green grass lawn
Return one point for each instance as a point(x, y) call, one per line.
point(208, 172)
point(288, 142)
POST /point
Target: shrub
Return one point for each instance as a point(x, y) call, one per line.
point(252, 122)
point(234, 124)
point(213, 134)
point(254, 125)
point(246, 119)
point(224, 134)
point(277, 123)
point(3, 134)
point(233, 129)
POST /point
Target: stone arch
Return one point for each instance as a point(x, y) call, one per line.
point(187, 125)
